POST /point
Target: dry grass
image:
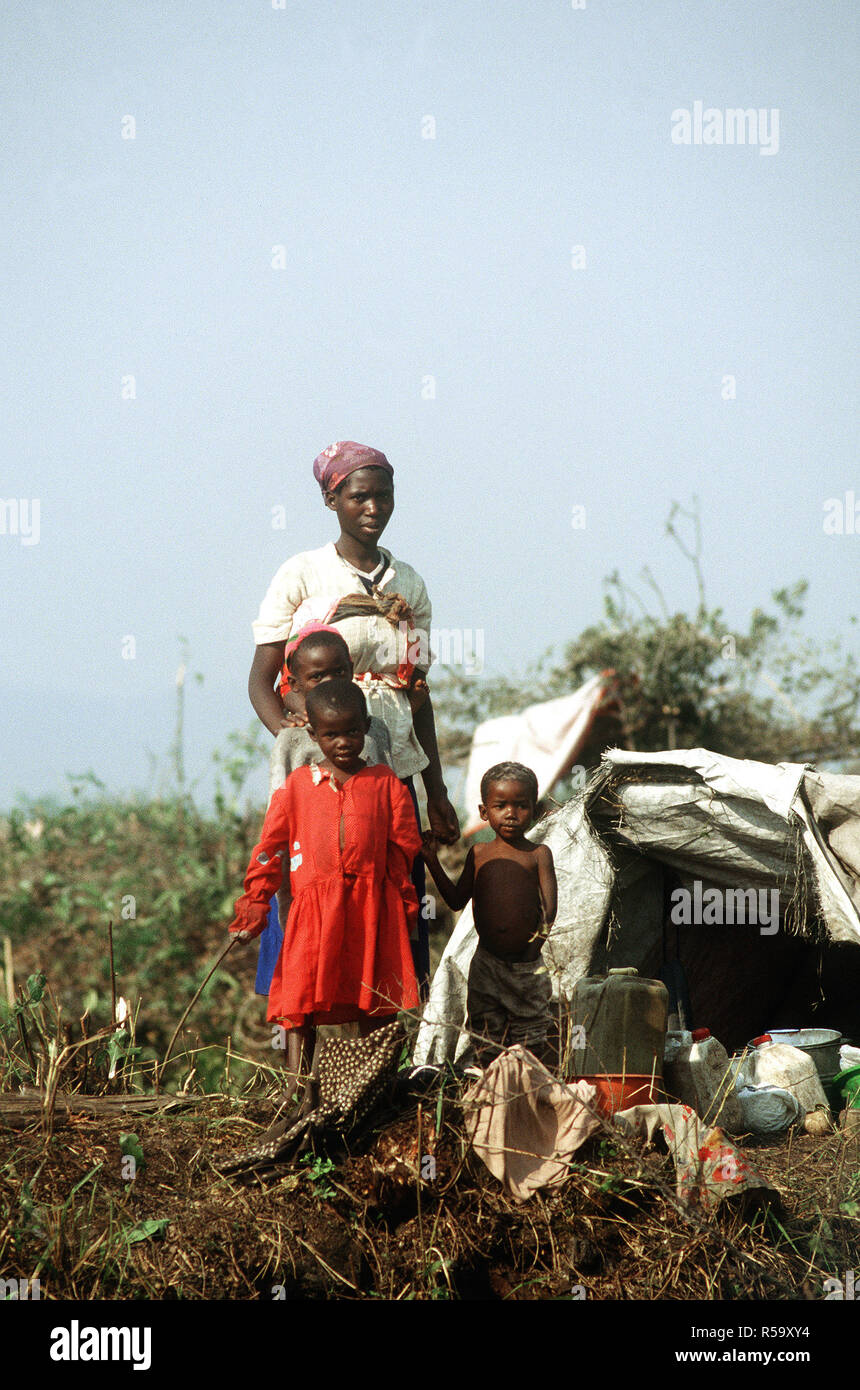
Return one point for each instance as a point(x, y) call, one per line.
point(363, 1224)
point(104, 1196)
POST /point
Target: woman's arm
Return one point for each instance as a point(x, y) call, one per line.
point(284, 595)
point(265, 668)
point(440, 812)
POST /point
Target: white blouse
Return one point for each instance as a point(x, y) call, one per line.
point(304, 590)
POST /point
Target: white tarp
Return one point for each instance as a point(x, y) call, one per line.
point(721, 821)
point(545, 737)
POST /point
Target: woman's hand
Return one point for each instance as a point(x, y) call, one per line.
point(444, 824)
point(293, 720)
point(295, 714)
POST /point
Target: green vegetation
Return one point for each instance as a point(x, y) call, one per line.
point(688, 680)
point(166, 876)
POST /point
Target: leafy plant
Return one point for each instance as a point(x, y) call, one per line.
point(319, 1168)
point(131, 1147)
point(145, 1230)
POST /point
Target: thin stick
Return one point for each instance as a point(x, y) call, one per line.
point(25, 1038)
point(112, 975)
point(227, 949)
point(8, 971)
point(418, 1194)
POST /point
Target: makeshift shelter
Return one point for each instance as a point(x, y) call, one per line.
point(650, 824)
point(548, 737)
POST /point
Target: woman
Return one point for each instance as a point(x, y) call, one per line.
point(381, 607)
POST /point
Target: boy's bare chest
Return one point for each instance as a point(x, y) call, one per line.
point(506, 885)
point(524, 860)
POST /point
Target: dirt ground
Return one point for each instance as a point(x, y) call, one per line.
point(362, 1222)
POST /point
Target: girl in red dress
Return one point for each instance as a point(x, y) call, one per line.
point(346, 833)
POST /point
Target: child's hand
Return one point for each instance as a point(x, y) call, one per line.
point(429, 845)
point(250, 921)
point(417, 694)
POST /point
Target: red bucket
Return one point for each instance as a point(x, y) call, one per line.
point(619, 1092)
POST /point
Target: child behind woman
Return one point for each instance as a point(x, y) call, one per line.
point(319, 653)
point(345, 832)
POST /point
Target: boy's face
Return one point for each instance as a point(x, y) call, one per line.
point(509, 809)
point(363, 504)
point(311, 665)
point(340, 736)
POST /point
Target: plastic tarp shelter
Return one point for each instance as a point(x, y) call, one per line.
point(647, 824)
point(547, 737)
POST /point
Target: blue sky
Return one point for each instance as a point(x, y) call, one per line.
point(405, 258)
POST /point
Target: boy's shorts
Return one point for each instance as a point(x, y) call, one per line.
point(509, 1001)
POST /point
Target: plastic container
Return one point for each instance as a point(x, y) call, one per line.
point(822, 1045)
point(848, 1083)
point(778, 1067)
point(620, 1092)
point(768, 1109)
point(623, 1020)
point(676, 1039)
point(698, 1074)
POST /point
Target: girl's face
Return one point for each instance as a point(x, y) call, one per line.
point(313, 664)
point(363, 504)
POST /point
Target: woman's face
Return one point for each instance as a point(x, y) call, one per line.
point(363, 504)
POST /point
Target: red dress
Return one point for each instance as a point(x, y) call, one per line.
point(346, 943)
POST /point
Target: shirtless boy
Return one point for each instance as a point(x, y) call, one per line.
point(513, 889)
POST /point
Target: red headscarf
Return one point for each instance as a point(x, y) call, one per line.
point(307, 631)
point(344, 457)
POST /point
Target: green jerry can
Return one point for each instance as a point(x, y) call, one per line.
point(619, 1035)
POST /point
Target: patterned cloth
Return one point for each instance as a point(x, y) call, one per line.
point(708, 1166)
point(353, 1075)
